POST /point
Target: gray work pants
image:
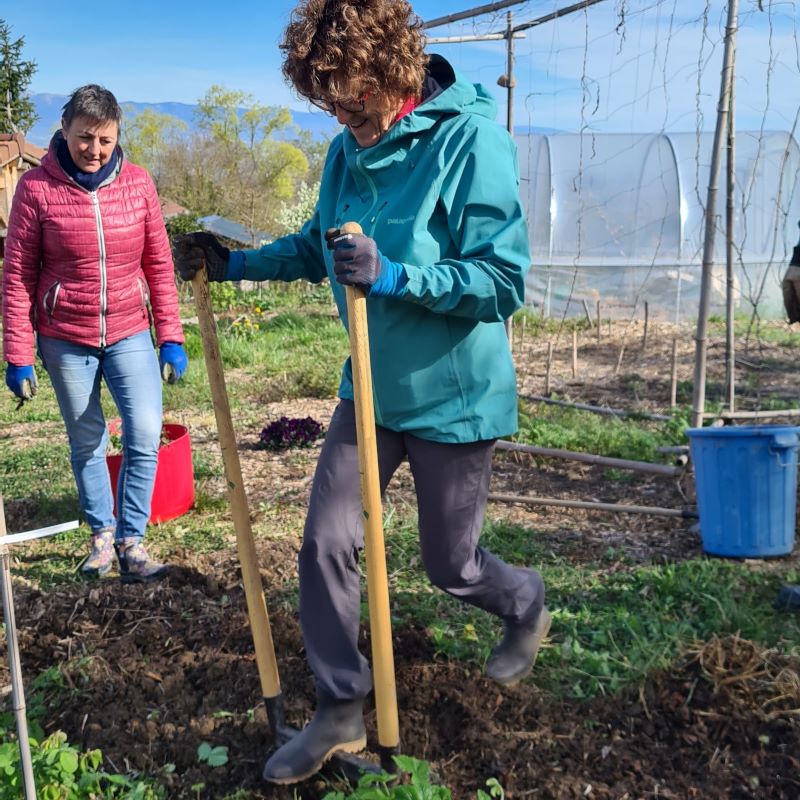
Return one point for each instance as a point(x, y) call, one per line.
point(452, 485)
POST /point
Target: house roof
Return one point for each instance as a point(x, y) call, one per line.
point(14, 146)
point(229, 229)
point(169, 209)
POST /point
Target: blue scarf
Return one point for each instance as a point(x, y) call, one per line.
point(88, 180)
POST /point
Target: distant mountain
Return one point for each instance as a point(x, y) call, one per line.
point(48, 107)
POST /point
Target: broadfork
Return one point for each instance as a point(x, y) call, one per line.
point(349, 765)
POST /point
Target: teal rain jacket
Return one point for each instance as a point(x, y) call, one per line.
point(439, 193)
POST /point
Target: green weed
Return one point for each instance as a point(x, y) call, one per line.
point(415, 784)
point(582, 431)
point(213, 756)
point(61, 771)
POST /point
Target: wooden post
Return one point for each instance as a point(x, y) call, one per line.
point(646, 322)
point(549, 368)
point(574, 352)
point(673, 383)
point(598, 322)
point(619, 359)
point(588, 315)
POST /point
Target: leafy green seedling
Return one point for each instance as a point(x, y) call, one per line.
point(213, 756)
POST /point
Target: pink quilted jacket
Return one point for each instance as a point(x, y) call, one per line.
point(84, 266)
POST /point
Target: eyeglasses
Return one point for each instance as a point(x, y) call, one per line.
point(329, 106)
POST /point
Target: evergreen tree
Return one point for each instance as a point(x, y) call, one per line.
point(16, 109)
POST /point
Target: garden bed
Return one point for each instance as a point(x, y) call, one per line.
point(148, 674)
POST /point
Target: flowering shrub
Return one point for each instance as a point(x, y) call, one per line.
point(289, 432)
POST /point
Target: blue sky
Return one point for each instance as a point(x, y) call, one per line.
point(659, 70)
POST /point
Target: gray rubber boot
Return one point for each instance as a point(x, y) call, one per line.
point(514, 657)
point(337, 725)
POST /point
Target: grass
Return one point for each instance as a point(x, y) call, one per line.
point(614, 621)
point(632, 438)
point(772, 332)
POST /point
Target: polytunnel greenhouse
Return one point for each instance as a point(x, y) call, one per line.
point(619, 219)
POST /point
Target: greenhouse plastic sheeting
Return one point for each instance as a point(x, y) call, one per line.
point(620, 219)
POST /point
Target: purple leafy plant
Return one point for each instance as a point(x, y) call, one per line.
point(289, 432)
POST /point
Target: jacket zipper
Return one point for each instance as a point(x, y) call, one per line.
point(103, 276)
point(374, 191)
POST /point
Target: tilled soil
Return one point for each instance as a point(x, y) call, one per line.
point(151, 672)
point(170, 666)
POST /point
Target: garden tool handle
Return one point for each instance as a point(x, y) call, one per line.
point(28, 389)
point(168, 373)
point(377, 581)
point(251, 577)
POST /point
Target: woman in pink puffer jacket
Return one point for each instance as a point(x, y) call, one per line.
point(87, 262)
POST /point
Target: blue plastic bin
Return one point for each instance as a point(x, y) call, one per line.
point(746, 480)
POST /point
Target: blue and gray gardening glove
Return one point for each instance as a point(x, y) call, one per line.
point(193, 251)
point(358, 262)
point(21, 381)
point(172, 360)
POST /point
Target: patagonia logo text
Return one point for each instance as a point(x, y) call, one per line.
point(399, 220)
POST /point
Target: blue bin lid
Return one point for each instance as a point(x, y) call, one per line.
point(749, 431)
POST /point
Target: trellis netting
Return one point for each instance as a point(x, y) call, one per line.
point(614, 107)
point(620, 219)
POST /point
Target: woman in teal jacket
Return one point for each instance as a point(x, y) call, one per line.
point(434, 183)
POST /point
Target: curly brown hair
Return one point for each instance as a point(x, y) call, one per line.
point(337, 50)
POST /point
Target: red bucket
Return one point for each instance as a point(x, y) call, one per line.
point(173, 491)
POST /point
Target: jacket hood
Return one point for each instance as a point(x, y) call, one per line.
point(51, 164)
point(457, 95)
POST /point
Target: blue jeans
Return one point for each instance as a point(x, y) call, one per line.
point(131, 372)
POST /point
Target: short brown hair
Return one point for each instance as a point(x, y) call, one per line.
point(92, 101)
point(341, 49)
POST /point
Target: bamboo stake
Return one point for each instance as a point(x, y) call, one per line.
point(589, 458)
point(593, 506)
point(701, 335)
point(783, 412)
point(549, 368)
point(673, 382)
point(730, 224)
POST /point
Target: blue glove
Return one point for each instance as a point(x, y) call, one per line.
point(21, 381)
point(358, 262)
point(173, 361)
